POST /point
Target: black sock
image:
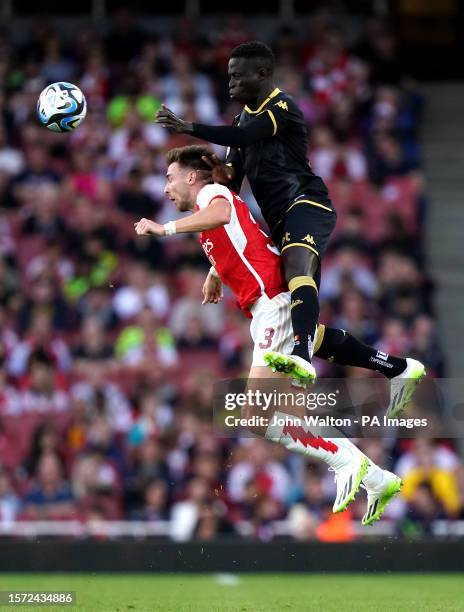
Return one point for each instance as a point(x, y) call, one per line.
point(341, 347)
point(305, 314)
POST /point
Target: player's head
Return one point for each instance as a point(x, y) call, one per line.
point(187, 173)
point(251, 66)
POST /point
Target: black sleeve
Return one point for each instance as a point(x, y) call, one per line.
point(263, 126)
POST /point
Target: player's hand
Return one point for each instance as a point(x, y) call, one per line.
point(220, 172)
point(167, 119)
point(144, 227)
point(212, 290)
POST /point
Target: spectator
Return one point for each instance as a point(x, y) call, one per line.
point(94, 351)
point(156, 503)
point(42, 388)
point(50, 497)
point(268, 476)
point(426, 346)
point(189, 307)
point(9, 501)
point(40, 337)
point(154, 417)
point(139, 344)
point(441, 483)
point(184, 81)
point(423, 509)
point(36, 173)
point(103, 398)
point(212, 522)
point(348, 266)
point(185, 514)
point(45, 440)
point(143, 289)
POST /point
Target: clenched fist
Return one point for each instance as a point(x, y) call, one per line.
point(144, 227)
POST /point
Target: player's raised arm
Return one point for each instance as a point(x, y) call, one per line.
point(215, 215)
point(262, 126)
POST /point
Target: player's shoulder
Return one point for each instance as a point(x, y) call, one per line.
point(285, 102)
point(212, 191)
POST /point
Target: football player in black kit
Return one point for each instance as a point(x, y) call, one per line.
point(268, 143)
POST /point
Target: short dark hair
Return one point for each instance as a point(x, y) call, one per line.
point(255, 49)
point(190, 157)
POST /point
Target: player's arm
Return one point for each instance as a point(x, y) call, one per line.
point(260, 127)
point(230, 173)
point(215, 215)
point(212, 288)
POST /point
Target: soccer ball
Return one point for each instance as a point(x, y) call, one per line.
point(61, 107)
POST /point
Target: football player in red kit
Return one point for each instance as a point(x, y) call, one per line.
point(245, 259)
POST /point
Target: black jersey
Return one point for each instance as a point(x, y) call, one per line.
point(269, 145)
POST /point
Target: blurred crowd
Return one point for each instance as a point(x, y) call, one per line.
point(107, 358)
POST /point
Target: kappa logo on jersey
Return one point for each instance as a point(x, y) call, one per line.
point(295, 303)
point(309, 239)
point(282, 104)
point(286, 237)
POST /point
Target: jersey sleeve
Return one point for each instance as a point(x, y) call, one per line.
point(211, 192)
point(261, 127)
point(283, 113)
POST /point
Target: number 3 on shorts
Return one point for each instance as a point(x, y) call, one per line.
point(267, 338)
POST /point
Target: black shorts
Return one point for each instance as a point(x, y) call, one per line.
point(307, 224)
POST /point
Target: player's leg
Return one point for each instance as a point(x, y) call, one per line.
point(286, 426)
point(302, 239)
point(351, 466)
point(300, 267)
point(343, 348)
point(286, 423)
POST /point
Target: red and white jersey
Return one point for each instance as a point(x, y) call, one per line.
point(243, 255)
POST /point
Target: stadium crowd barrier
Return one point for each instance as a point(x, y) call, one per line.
point(230, 555)
point(70, 546)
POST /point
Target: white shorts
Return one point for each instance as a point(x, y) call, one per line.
point(271, 327)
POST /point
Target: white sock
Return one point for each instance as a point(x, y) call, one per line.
point(295, 435)
point(374, 477)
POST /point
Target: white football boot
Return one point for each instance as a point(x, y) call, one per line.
point(403, 386)
point(379, 497)
point(348, 478)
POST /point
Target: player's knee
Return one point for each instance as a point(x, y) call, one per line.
point(299, 262)
point(302, 281)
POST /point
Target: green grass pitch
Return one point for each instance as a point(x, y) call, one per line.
point(246, 592)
